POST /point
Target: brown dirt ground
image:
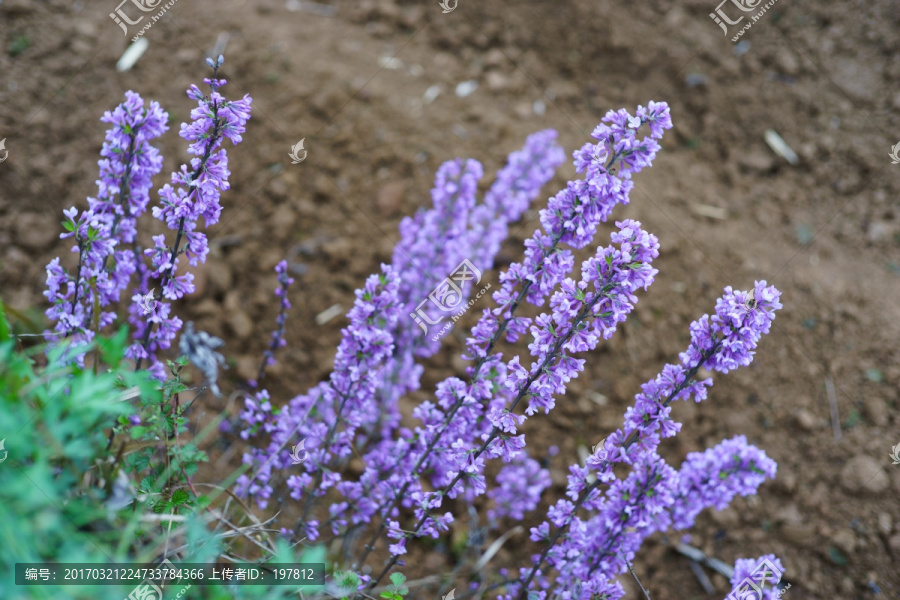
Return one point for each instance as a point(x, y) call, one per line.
point(826, 231)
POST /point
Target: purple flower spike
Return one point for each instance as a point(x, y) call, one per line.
point(105, 233)
point(193, 192)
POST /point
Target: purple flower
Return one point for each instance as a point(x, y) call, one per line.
point(713, 478)
point(105, 233)
point(193, 192)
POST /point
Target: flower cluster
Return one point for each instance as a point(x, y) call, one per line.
point(105, 233)
point(193, 192)
point(436, 241)
point(711, 479)
point(347, 399)
point(448, 446)
point(589, 536)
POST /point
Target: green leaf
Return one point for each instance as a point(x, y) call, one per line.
point(180, 497)
point(112, 350)
point(398, 579)
point(68, 225)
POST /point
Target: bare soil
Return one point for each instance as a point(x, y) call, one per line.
point(826, 231)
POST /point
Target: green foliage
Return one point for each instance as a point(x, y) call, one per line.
point(345, 585)
point(397, 589)
point(64, 484)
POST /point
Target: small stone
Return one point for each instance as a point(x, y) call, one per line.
point(863, 474)
point(788, 513)
point(757, 161)
point(523, 110)
point(187, 55)
point(788, 62)
point(248, 367)
point(885, 523)
point(894, 545)
point(218, 275)
point(727, 517)
point(206, 308)
point(859, 78)
point(497, 81)
point(283, 221)
point(785, 480)
point(806, 420)
point(879, 231)
point(240, 324)
point(797, 533)
point(876, 409)
point(847, 585)
point(390, 196)
point(845, 540)
point(37, 231)
point(494, 58)
point(85, 28)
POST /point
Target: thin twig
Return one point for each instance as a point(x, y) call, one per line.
point(630, 568)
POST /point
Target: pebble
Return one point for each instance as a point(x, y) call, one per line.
point(885, 523)
point(845, 540)
point(37, 231)
point(863, 474)
point(757, 161)
point(494, 58)
point(248, 366)
point(785, 480)
point(390, 196)
point(465, 88)
point(894, 544)
point(797, 533)
point(240, 324)
point(858, 78)
point(218, 275)
point(206, 308)
point(727, 517)
point(497, 81)
point(876, 409)
point(806, 420)
point(879, 231)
